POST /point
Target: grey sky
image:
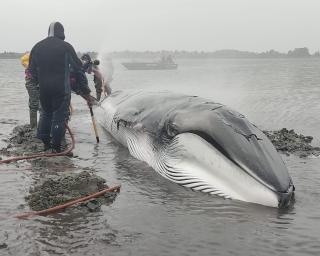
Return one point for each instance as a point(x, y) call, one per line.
point(209, 25)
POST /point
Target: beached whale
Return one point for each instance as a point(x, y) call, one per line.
point(198, 144)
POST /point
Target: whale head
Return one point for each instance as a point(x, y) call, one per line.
point(239, 142)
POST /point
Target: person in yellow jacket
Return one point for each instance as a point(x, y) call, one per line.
point(33, 91)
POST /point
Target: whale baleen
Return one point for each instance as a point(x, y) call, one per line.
point(198, 144)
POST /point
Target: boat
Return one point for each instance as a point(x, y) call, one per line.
point(164, 64)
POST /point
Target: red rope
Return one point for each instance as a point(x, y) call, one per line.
point(67, 151)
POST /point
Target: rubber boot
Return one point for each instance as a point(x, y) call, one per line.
point(46, 146)
point(64, 147)
point(33, 119)
point(56, 148)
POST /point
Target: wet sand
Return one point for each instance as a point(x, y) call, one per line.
point(289, 142)
point(55, 188)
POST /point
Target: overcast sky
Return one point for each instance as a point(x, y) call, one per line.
point(208, 25)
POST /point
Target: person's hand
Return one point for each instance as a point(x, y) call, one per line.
point(90, 100)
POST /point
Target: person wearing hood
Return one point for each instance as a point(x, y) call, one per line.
point(51, 61)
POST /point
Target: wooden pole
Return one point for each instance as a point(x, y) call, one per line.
point(94, 124)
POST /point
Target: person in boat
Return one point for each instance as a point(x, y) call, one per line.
point(51, 61)
point(169, 59)
point(33, 91)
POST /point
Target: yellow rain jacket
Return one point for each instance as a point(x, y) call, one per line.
point(25, 60)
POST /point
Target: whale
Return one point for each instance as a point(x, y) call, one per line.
point(199, 144)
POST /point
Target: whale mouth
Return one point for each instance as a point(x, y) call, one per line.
point(279, 198)
point(286, 198)
point(189, 160)
point(238, 140)
point(215, 144)
point(223, 151)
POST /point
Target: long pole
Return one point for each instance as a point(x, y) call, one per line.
point(94, 124)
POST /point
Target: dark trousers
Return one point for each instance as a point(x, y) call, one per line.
point(51, 127)
point(98, 86)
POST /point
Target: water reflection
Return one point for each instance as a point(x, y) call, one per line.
point(69, 231)
point(72, 230)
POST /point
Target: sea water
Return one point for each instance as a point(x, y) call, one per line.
point(151, 215)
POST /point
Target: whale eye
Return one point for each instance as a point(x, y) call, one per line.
point(172, 129)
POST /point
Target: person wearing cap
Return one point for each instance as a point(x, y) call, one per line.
point(51, 61)
point(33, 91)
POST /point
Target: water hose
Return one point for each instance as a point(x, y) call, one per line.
point(68, 204)
point(63, 153)
point(63, 206)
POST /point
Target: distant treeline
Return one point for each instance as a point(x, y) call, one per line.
point(231, 54)
point(10, 55)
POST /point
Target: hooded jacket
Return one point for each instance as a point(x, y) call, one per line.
point(50, 62)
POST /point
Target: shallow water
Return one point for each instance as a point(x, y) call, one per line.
point(153, 216)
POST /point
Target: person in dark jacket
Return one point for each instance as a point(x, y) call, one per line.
point(51, 61)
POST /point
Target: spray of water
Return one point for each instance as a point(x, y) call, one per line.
point(106, 66)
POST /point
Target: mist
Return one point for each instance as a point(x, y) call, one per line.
point(204, 25)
